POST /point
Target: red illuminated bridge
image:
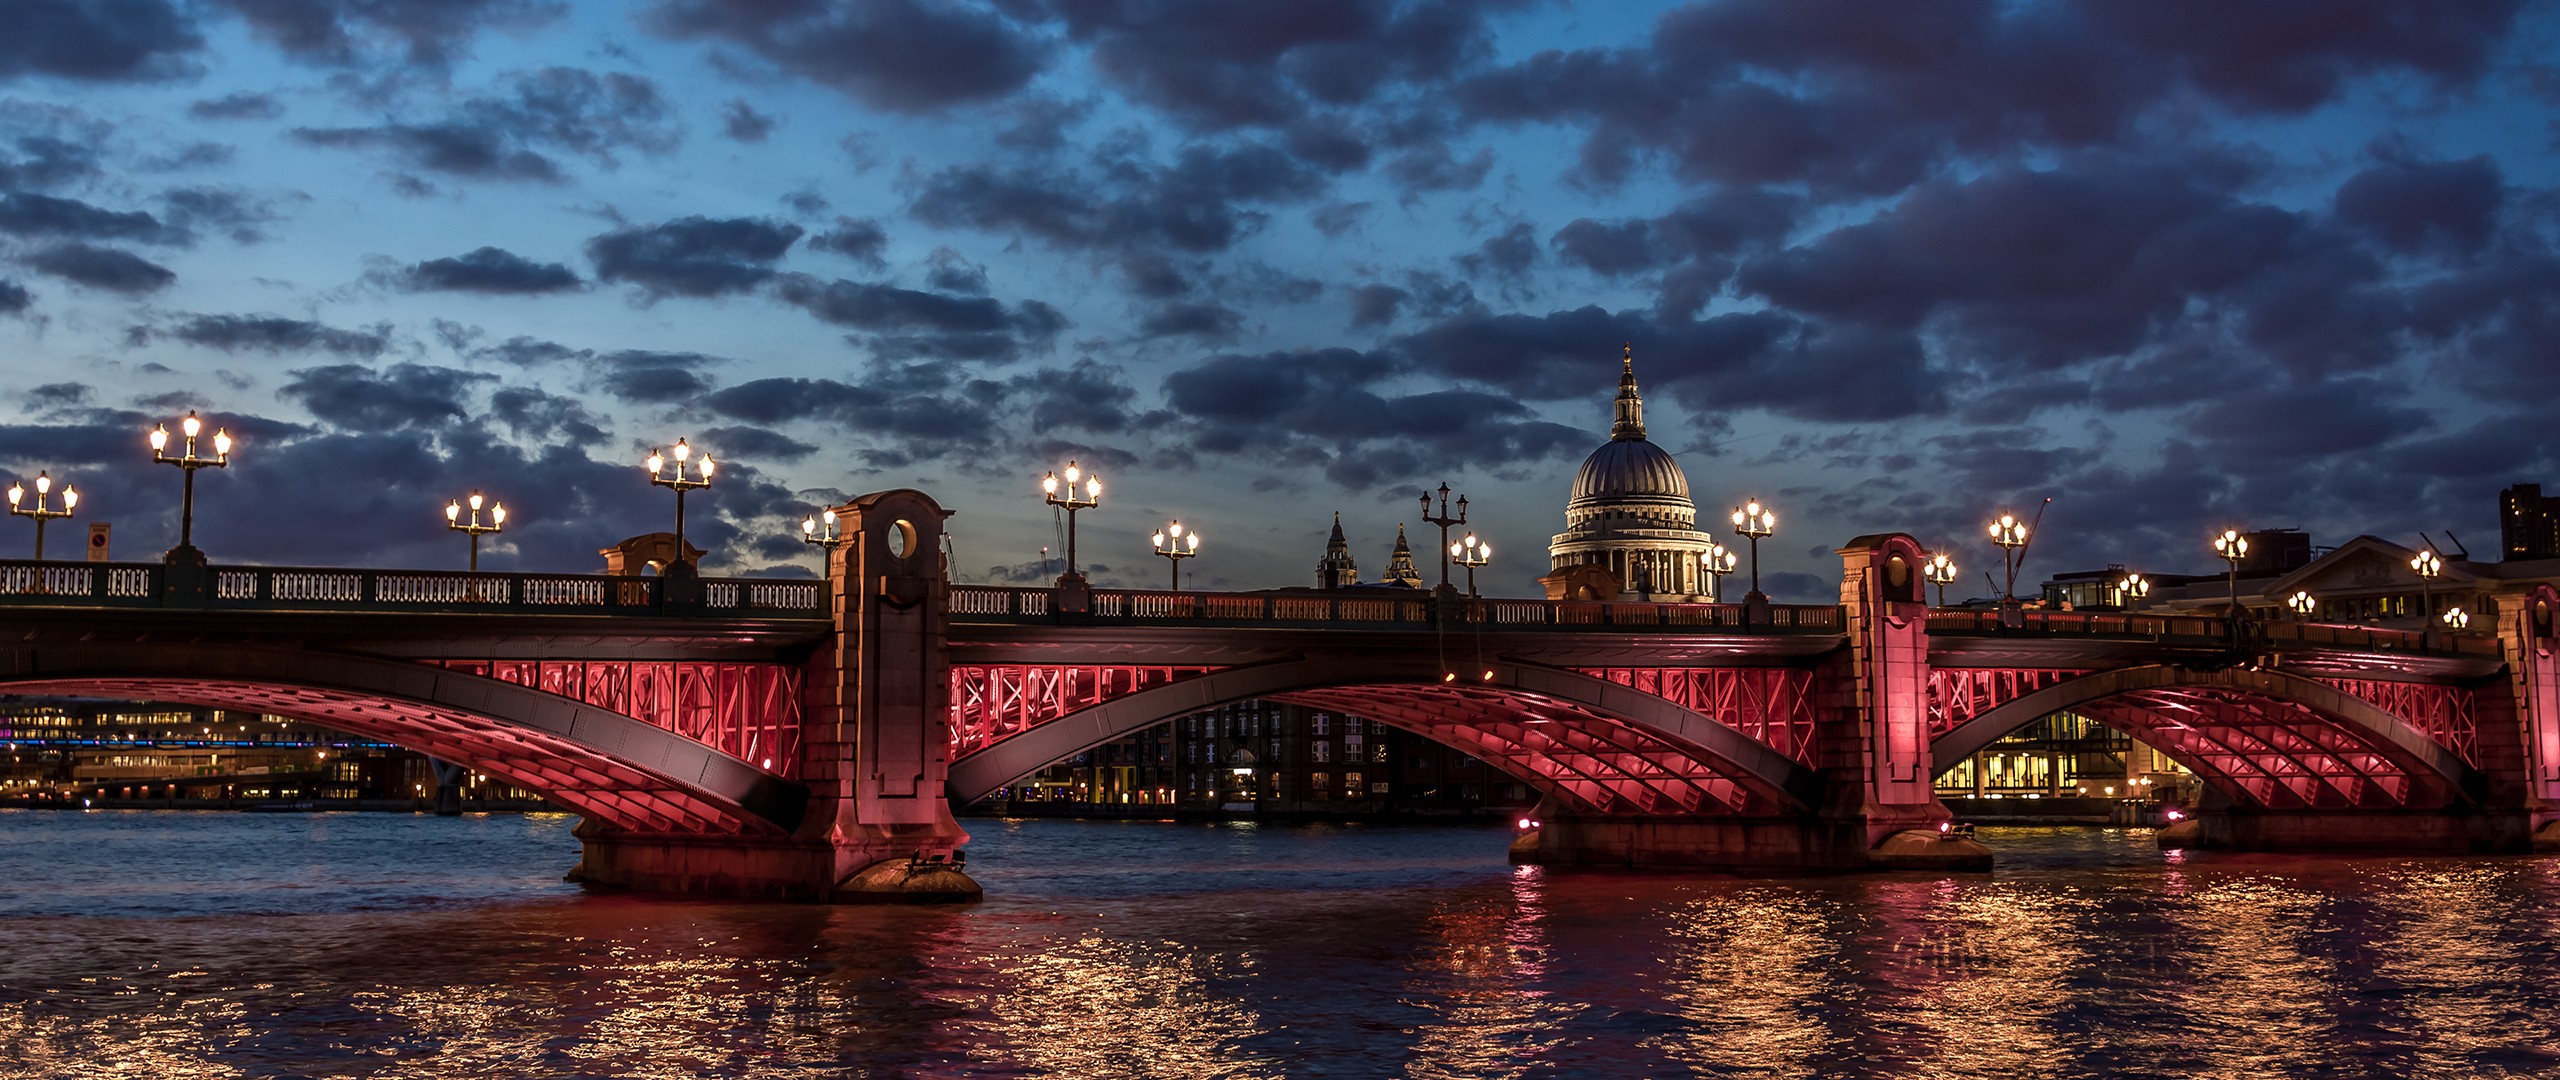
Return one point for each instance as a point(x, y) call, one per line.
point(782, 738)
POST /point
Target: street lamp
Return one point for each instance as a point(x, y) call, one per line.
point(1940, 568)
point(680, 483)
point(2011, 534)
point(1176, 544)
point(1471, 553)
point(1754, 521)
point(1066, 496)
point(2456, 619)
point(821, 531)
point(2130, 588)
point(453, 520)
point(44, 487)
point(2427, 566)
point(1717, 561)
point(188, 462)
point(1444, 521)
point(2302, 603)
point(2233, 547)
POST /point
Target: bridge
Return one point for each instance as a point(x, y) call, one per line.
point(807, 740)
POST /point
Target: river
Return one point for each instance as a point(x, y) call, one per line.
point(174, 944)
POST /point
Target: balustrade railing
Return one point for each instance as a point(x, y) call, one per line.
point(2165, 627)
point(997, 603)
point(286, 588)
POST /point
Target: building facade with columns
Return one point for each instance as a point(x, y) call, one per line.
point(1631, 529)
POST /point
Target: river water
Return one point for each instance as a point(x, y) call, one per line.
point(173, 944)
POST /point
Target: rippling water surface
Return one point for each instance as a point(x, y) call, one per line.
point(215, 945)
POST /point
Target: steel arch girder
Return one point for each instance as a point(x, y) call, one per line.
point(1781, 780)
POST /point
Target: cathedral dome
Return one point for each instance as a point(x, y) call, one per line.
point(1629, 471)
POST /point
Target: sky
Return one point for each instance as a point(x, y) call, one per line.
point(2176, 265)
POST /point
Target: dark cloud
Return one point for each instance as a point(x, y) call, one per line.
point(51, 159)
point(27, 214)
point(741, 121)
point(506, 136)
point(242, 105)
point(654, 378)
point(2411, 205)
point(947, 271)
point(522, 351)
point(401, 396)
point(1375, 305)
point(347, 33)
point(903, 55)
point(14, 298)
point(489, 270)
point(112, 269)
point(99, 40)
point(1506, 255)
point(533, 414)
point(693, 256)
point(911, 323)
point(757, 444)
point(1204, 202)
point(237, 214)
point(277, 335)
point(1323, 409)
point(859, 239)
point(1210, 322)
point(913, 415)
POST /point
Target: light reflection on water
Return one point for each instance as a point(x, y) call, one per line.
point(220, 945)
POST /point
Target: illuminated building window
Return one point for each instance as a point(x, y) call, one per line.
point(1319, 786)
point(1352, 785)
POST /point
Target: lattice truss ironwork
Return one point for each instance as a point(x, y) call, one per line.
point(994, 702)
point(618, 795)
point(1594, 763)
point(749, 711)
point(2270, 752)
point(2446, 714)
point(1957, 695)
point(1772, 705)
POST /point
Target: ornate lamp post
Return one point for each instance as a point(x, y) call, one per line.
point(2456, 619)
point(453, 520)
point(1176, 544)
point(2130, 588)
point(820, 530)
point(2303, 604)
point(2428, 567)
point(2233, 547)
point(1754, 521)
point(188, 462)
point(1940, 568)
point(1717, 561)
point(44, 487)
point(1066, 496)
point(1471, 553)
point(680, 483)
point(1444, 521)
point(2011, 534)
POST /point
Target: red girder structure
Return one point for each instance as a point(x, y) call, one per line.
point(588, 781)
point(994, 702)
point(1960, 694)
point(749, 711)
point(1772, 705)
point(2275, 753)
point(2446, 714)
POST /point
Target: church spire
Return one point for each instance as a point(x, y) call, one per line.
point(1630, 423)
point(1400, 569)
point(1337, 569)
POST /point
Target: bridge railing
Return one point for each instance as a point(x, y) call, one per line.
point(297, 588)
point(1006, 604)
point(2163, 627)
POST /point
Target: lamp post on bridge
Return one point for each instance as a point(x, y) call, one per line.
point(2233, 547)
point(680, 483)
point(2011, 535)
point(453, 520)
point(1754, 521)
point(44, 487)
point(2428, 567)
point(1717, 561)
point(1940, 569)
point(188, 462)
point(1176, 544)
point(820, 530)
point(2303, 604)
point(1064, 496)
point(1471, 553)
point(1444, 521)
point(2130, 588)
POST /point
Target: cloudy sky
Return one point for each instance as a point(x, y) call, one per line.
point(2175, 264)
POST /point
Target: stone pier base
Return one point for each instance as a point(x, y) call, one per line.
point(811, 871)
point(1743, 845)
point(2414, 831)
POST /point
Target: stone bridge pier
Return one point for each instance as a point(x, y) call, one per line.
point(1877, 806)
point(874, 744)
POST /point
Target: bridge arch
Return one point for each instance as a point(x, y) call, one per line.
point(1600, 746)
point(2264, 738)
point(625, 774)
